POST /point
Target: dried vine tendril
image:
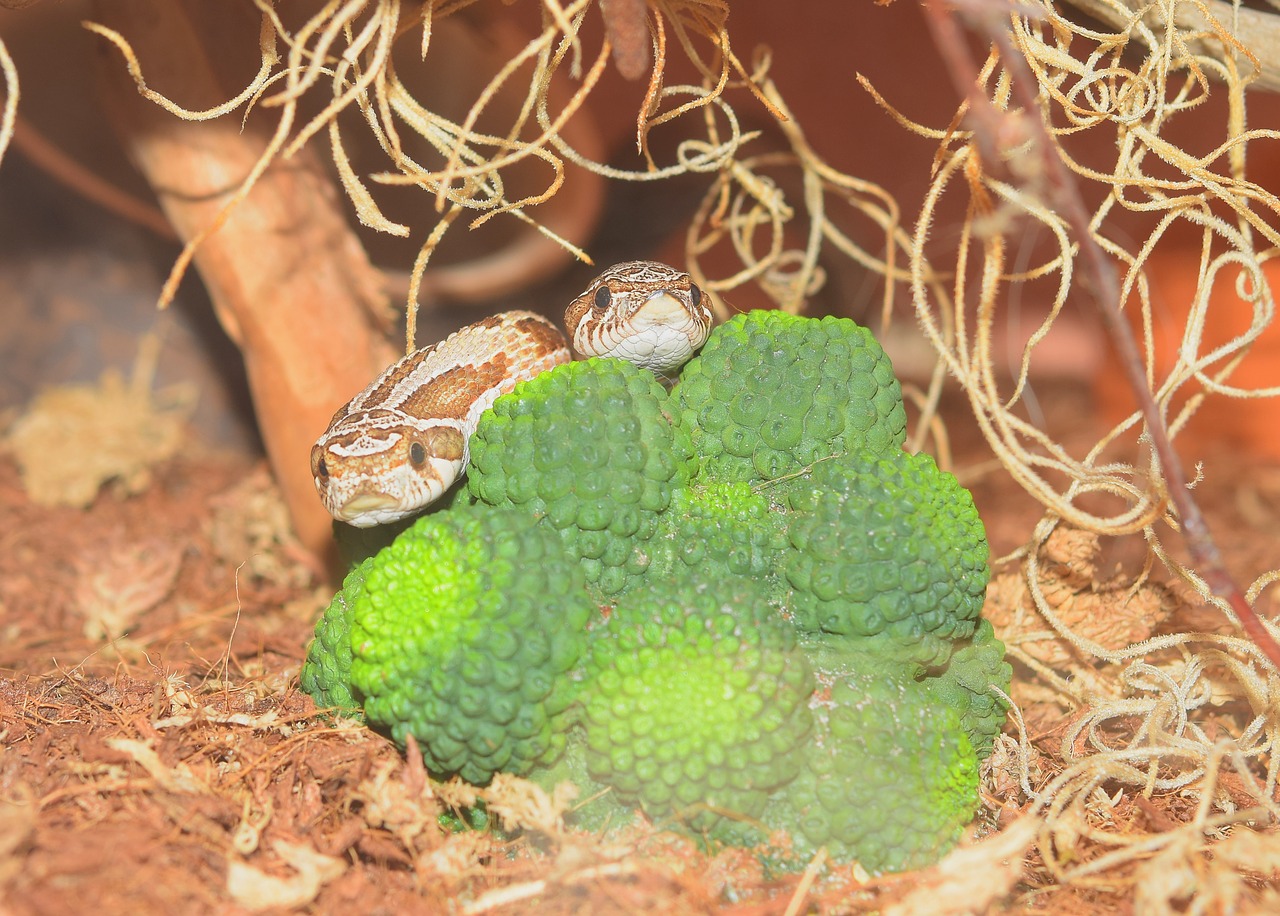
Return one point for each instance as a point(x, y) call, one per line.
point(1151, 715)
point(8, 113)
point(346, 47)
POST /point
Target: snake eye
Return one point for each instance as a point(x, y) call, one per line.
point(322, 469)
point(417, 454)
point(602, 297)
point(695, 294)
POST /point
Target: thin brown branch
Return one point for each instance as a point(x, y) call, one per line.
point(50, 159)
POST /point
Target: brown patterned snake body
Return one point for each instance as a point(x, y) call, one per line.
point(401, 443)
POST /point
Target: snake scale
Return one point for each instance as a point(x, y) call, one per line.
point(401, 443)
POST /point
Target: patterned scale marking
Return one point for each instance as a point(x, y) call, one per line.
point(641, 311)
point(402, 442)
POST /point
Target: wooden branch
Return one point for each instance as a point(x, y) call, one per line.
point(1257, 30)
point(289, 280)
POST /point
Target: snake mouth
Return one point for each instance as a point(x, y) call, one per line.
point(661, 308)
point(365, 510)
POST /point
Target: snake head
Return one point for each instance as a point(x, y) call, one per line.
point(372, 468)
point(641, 311)
point(397, 446)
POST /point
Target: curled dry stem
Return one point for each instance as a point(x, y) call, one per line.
point(9, 112)
point(1151, 715)
point(1058, 187)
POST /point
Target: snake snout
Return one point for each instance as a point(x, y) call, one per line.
point(661, 308)
point(365, 510)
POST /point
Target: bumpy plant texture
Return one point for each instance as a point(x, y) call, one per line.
point(696, 699)
point(463, 636)
point(777, 629)
point(889, 552)
point(771, 393)
point(890, 778)
point(965, 685)
point(588, 446)
point(721, 526)
point(326, 672)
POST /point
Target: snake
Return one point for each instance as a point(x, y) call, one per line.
point(402, 443)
